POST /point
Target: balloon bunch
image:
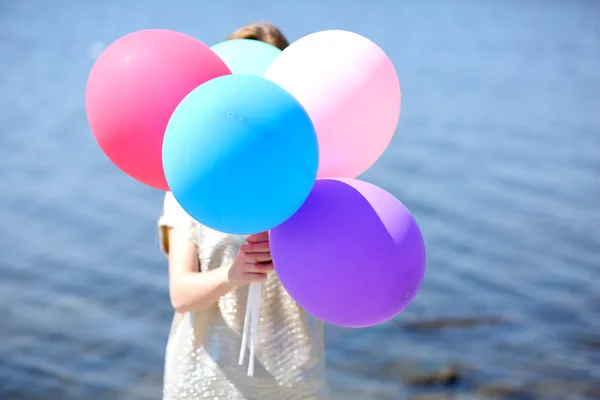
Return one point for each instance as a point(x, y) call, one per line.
point(249, 139)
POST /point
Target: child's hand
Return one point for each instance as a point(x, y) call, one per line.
point(253, 261)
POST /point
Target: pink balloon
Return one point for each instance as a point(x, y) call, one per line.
point(134, 87)
point(351, 91)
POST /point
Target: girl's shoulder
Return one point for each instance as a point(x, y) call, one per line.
point(172, 208)
point(174, 216)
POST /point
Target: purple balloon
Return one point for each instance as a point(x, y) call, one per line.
point(352, 256)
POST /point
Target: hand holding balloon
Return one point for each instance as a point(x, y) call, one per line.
point(253, 261)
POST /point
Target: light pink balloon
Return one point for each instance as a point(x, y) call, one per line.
point(351, 91)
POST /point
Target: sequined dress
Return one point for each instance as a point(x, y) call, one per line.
point(202, 352)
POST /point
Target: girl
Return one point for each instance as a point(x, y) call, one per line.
point(209, 273)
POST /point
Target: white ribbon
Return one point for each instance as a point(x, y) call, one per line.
point(251, 325)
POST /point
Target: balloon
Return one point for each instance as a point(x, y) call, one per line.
point(132, 90)
point(352, 255)
point(246, 56)
point(240, 154)
point(350, 89)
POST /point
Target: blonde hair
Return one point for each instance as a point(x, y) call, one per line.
point(262, 31)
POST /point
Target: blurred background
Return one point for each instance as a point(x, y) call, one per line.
point(497, 154)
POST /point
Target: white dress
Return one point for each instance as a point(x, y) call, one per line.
point(203, 348)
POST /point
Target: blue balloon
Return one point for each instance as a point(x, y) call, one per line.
point(246, 56)
point(240, 154)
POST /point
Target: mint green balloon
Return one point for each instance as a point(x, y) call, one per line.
point(246, 56)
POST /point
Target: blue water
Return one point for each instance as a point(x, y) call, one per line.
point(497, 154)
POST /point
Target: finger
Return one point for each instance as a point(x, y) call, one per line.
point(260, 247)
point(262, 268)
point(255, 277)
point(258, 237)
point(254, 258)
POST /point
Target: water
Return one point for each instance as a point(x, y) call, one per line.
point(497, 155)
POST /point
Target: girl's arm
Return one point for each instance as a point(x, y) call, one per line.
point(191, 290)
